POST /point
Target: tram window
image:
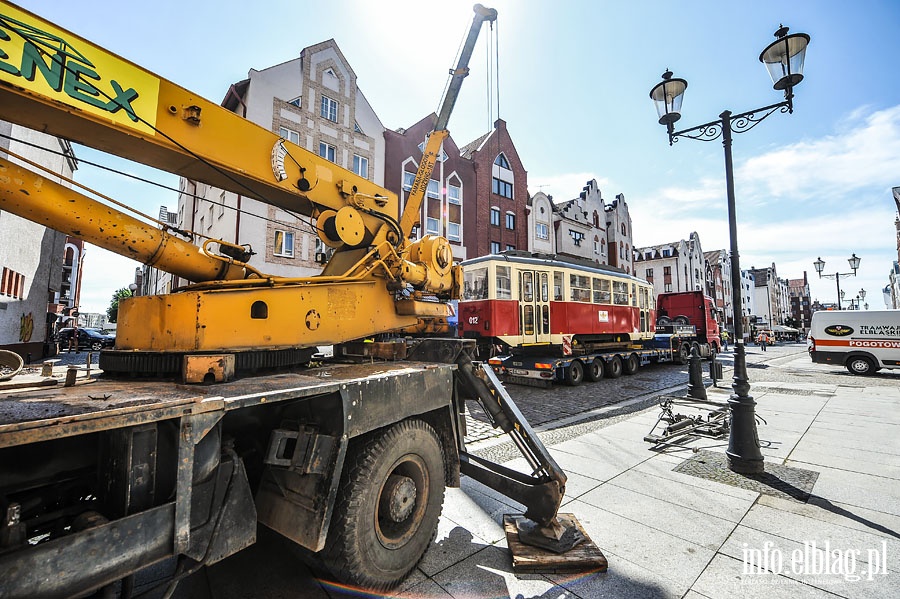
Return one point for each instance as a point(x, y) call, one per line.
point(475, 284)
point(601, 291)
point(557, 286)
point(527, 294)
point(634, 297)
point(545, 292)
point(545, 310)
point(504, 288)
point(528, 318)
point(620, 293)
point(581, 288)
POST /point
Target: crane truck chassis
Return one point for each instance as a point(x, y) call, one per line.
point(106, 477)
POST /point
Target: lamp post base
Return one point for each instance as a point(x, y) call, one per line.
point(744, 456)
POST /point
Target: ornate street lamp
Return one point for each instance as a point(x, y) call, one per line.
point(784, 59)
point(854, 264)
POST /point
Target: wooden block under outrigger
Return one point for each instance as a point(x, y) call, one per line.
point(584, 557)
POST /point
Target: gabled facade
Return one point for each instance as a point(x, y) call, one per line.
point(451, 190)
point(618, 233)
point(718, 285)
point(496, 219)
point(541, 230)
point(312, 101)
point(674, 266)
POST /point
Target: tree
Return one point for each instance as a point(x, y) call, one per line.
point(112, 313)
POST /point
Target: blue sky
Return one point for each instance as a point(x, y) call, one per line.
point(574, 79)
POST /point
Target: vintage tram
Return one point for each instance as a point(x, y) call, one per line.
point(517, 302)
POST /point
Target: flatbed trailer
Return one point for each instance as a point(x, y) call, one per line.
point(538, 370)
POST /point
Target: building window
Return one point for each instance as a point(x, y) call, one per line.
point(12, 284)
point(361, 166)
point(668, 288)
point(495, 217)
point(209, 223)
point(326, 151)
point(667, 253)
point(623, 229)
point(501, 161)
point(510, 247)
point(495, 247)
point(510, 221)
point(577, 237)
point(284, 244)
point(502, 188)
point(295, 102)
point(453, 231)
point(432, 226)
point(596, 245)
point(648, 274)
point(289, 135)
point(329, 109)
point(454, 194)
point(356, 129)
point(434, 189)
point(542, 231)
point(408, 180)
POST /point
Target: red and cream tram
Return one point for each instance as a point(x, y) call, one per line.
point(519, 301)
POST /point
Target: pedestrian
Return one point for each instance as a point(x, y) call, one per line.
point(724, 340)
point(763, 338)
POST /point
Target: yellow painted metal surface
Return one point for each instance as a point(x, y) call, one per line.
point(245, 319)
point(34, 197)
point(206, 368)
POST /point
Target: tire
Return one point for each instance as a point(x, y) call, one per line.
point(614, 367)
point(860, 365)
point(631, 364)
point(681, 320)
point(96, 346)
point(594, 371)
point(684, 353)
point(377, 536)
point(663, 321)
point(574, 373)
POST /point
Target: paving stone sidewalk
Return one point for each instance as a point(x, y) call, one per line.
point(668, 533)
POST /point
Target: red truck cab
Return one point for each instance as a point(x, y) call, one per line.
point(694, 308)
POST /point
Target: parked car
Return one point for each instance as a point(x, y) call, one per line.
point(87, 339)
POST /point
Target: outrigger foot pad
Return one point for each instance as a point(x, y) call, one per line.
point(562, 547)
point(559, 537)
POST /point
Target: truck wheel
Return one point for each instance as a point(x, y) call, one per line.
point(631, 364)
point(387, 509)
point(860, 365)
point(594, 370)
point(614, 367)
point(684, 353)
point(681, 319)
point(574, 373)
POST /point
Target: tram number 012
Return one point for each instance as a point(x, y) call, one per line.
point(473, 320)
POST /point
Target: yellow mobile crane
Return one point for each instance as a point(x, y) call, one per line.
point(348, 460)
point(376, 280)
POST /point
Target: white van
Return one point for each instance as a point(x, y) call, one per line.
point(862, 340)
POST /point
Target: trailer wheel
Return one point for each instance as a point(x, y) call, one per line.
point(631, 364)
point(388, 506)
point(861, 365)
point(594, 370)
point(614, 367)
point(574, 373)
point(684, 353)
